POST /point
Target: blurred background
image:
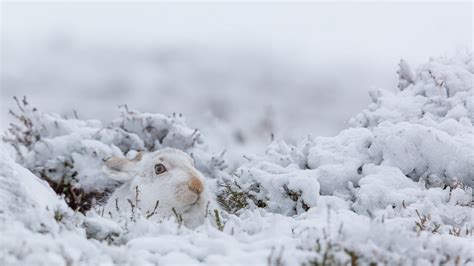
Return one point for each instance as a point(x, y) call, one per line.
point(237, 71)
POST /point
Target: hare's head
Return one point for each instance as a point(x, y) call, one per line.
point(167, 176)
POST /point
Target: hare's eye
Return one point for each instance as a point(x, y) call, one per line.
point(159, 169)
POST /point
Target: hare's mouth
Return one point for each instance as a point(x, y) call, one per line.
point(191, 206)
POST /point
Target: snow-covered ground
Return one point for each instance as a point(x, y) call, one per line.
point(393, 188)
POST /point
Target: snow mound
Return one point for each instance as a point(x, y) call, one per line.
point(37, 227)
point(25, 198)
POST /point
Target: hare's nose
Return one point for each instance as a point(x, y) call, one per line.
point(195, 185)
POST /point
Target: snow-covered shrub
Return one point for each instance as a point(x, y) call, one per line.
point(440, 90)
point(423, 152)
point(275, 182)
point(425, 131)
point(68, 153)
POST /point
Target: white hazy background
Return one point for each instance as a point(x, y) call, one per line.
point(285, 68)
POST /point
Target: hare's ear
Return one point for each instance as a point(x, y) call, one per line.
point(121, 169)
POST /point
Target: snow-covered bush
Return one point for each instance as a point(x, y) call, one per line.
point(68, 153)
point(274, 181)
point(440, 90)
point(425, 131)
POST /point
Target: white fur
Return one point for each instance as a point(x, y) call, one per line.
point(171, 188)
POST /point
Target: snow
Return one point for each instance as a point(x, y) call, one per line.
point(25, 196)
point(394, 188)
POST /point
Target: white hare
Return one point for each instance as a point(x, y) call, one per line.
point(167, 184)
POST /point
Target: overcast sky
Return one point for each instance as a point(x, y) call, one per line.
point(312, 30)
point(357, 44)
